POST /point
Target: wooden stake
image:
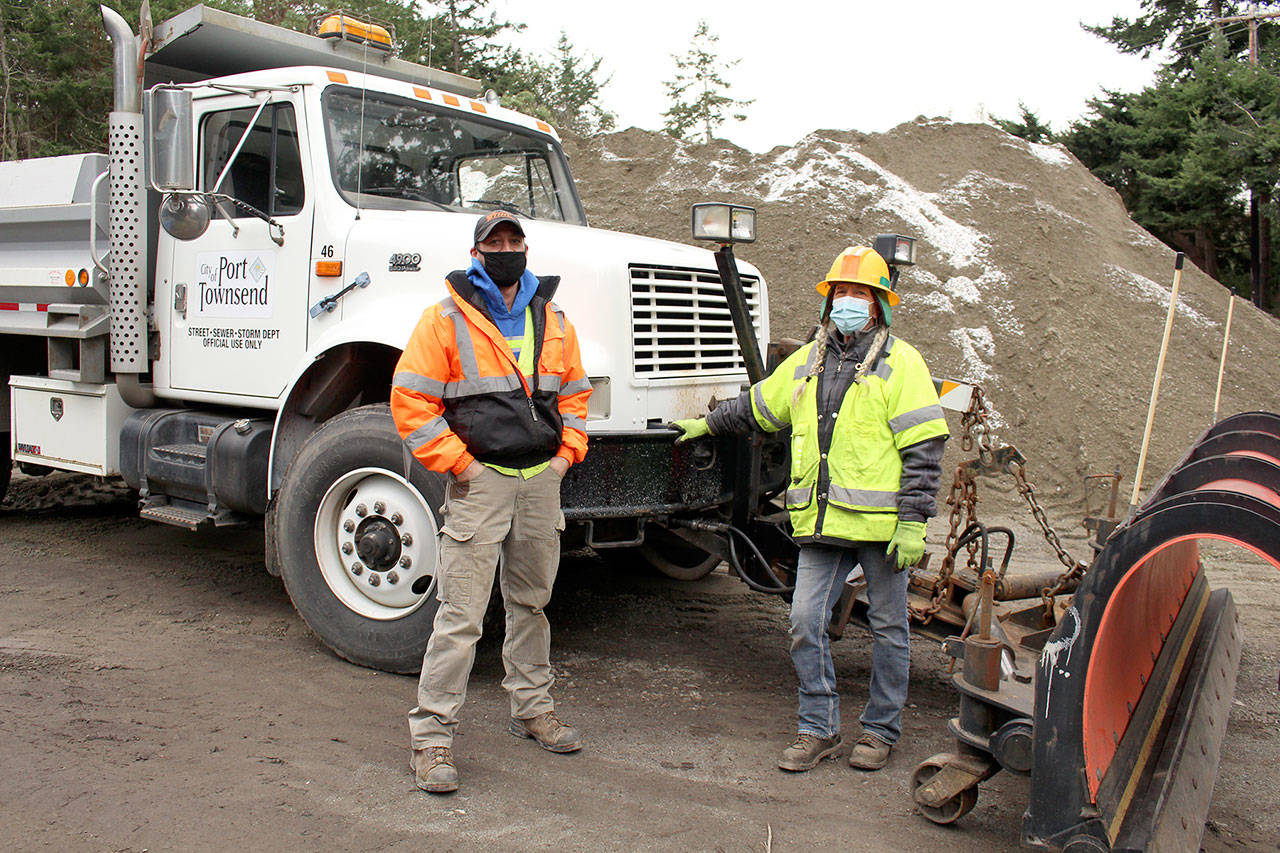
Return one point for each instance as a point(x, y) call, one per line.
point(1155, 386)
point(1226, 338)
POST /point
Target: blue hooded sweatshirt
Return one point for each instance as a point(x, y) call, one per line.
point(509, 322)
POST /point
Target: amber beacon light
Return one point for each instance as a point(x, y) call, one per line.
point(341, 25)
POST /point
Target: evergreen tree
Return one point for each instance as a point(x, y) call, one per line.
point(1186, 174)
point(1183, 153)
point(564, 91)
point(1030, 128)
point(698, 99)
point(1189, 28)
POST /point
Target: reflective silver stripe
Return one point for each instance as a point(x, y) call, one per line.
point(799, 497)
point(548, 382)
point(448, 306)
point(574, 422)
point(577, 386)
point(883, 369)
point(487, 385)
point(863, 497)
point(907, 420)
point(466, 347)
point(418, 382)
point(758, 396)
point(559, 314)
point(425, 433)
point(803, 370)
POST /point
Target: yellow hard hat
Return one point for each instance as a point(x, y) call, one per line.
point(860, 265)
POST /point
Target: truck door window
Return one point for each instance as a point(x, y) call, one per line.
point(267, 173)
point(401, 154)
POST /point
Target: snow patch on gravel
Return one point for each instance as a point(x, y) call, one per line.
point(1054, 155)
point(1149, 291)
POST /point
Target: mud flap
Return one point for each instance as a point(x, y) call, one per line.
point(1135, 685)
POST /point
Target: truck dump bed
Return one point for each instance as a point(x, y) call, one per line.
point(203, 42)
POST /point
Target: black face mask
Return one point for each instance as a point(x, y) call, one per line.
point(505, 268)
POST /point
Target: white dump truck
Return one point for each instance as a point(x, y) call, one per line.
point(212, 310)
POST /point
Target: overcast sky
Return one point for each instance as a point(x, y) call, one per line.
point(854, 65)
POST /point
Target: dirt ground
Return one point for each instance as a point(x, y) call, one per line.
point(158, 692)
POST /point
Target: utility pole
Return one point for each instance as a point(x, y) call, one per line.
point(1259, 225)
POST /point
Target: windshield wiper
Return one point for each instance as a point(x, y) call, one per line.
point(404, 192)
point(492, 202)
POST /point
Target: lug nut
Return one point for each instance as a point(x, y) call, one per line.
point(362, 510)
point(374, 579)
point(349, 526)
point(346, 548)
point(397, 519)
point(356, 569)
point(379, 507)
point(406, 539)
point(405, 562)
point(392, 577)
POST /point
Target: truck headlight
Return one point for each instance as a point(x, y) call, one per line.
point(724, 223)
point(896, 249)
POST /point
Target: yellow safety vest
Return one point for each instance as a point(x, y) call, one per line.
point(848, 490)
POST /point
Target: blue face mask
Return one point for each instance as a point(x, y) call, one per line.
point(850, 314)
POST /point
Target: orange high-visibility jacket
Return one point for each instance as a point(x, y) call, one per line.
point(458, 393)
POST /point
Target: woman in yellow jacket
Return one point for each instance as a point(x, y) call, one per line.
point(867, 435)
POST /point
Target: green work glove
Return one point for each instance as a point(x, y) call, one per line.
point(692, 428)
point(908, 541)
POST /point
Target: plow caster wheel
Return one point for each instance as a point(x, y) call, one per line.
point(954, 808)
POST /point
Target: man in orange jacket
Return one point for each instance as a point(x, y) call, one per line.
point(491, 390)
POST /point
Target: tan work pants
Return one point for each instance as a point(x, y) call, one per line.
point(491, 515)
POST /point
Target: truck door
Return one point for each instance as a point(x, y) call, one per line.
point(239, 300)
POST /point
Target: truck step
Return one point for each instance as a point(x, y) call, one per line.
point(190, 454)
point(178, 516)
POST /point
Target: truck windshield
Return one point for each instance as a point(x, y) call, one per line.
point(400, 154)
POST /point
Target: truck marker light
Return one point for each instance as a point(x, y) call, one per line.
point(83, 277)
point(336, 76)
point(544, 127)
point(478, 107)
point(71, 278)
point(452, 101)
point(328, 268)
point(425, 94)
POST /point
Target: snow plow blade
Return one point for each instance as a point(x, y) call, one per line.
point(1135, 684)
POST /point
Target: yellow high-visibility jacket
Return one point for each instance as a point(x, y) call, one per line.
point(846, 464)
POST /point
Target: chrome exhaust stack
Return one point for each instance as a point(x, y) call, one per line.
point(128, 193)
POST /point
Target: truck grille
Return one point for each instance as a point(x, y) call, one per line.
point(680, 322)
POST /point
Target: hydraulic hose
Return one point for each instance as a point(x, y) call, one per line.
point(734, 561)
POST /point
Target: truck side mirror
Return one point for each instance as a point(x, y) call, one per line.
point(170, 140)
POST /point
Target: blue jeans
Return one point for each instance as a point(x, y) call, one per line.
point(820, 575)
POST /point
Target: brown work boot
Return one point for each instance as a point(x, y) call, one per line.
point(548, 731)
point(870, 753)
point(807, 750)
point(433, 770)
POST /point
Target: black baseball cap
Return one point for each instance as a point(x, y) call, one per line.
point(491, 220)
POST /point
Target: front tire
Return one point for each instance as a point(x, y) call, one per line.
point(355, 526)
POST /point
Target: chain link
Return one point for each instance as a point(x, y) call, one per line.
point(963, 499)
